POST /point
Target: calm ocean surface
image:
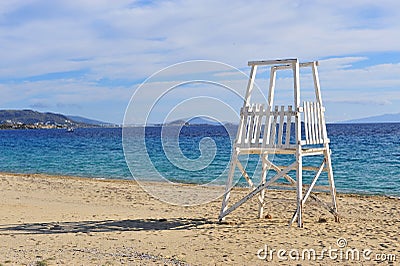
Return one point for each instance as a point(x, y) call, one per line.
point(365, 157)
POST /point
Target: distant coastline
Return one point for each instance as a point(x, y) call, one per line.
point(29, 119)
point(386, 118)
point(17, 126)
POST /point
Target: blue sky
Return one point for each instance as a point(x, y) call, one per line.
point(88, 57)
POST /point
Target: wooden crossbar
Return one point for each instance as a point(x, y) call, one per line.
point(244, 173)
point(248, 179)
point(256, 191)
point(281, 63)
point(289, 66)
point(272, 62)
point(278, 170)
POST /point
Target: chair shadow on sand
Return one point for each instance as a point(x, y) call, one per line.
point(104, 226)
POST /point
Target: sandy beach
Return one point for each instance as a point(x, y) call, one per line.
point(52, 220)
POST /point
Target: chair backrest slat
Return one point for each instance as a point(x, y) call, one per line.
point(306, 122)
point(312, 124)
point(288, 126)
point(252, 117)
point(273, 126)
point(321, 124)
point(241, 138)
point(258, 125)
point(281, 122)
point(267, 128)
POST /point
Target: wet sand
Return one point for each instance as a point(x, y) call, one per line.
point(81, 221)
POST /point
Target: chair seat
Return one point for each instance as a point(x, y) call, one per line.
point(274, 150)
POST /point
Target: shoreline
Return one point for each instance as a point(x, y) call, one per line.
point(348, 193)
point(85, 221)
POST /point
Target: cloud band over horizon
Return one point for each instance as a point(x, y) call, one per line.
point(88, 57)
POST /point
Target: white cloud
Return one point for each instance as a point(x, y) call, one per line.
point(340, 62)
point(128, 40)
point(169, 32)
point(376, 78)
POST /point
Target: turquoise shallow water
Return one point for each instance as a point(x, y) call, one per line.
point(366, 157)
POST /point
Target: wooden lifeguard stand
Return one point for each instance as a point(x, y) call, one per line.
point(266, 131)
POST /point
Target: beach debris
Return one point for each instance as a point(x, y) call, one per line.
point(322, 220)
point(268, 216)
point(55, 227)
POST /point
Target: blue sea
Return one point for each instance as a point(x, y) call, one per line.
point(365, 157)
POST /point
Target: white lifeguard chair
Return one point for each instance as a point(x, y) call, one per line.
point(262, 131)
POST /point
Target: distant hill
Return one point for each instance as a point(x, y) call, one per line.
point(30, 117)
point(88, 121)
point(194, 121)
point(386, 118)
point(203, 121)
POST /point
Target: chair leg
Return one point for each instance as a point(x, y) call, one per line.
point(228, 186)
point(263, 180)
point(299, 189)
point(331, 180)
